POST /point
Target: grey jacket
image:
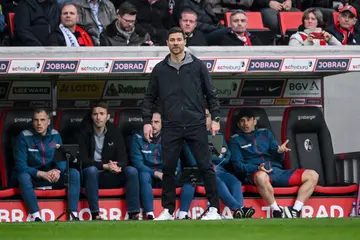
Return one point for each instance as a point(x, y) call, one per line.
point(106, 15)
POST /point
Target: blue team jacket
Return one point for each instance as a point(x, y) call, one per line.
point(219, 162)
point(34, 152)
point(250, 150)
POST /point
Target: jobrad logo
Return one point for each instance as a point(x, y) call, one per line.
point(4, 66)
point(209, 64)
point(129, 66)
point(60, 66)
point(265, 65)
point(331, 64)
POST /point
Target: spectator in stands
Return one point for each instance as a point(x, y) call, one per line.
point(310, 33)
point(344, 29)
point(154, 17)
point(35, 20)
point(121, 32)
point(146, 157)
point(258, 157)
point(238, 34)
point(35, 165)
point(69, 34)
point(270, 11)
point(229, 187)
point(102, 153)
point(188, 22)
point(207, 22)
point(95, 16)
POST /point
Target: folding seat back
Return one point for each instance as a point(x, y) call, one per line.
point(310, 143)
point(129, 121)
point(289, 22)
point(68, 123)
point(232, 121)
point(12, 122)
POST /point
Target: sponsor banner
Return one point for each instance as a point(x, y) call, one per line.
point(4, 66)
point(354, 64)
point(125, 89)
point(303, 88)
point(251, 101)
point(297, 101)
point(26, 66)
point(94, 66)
point(227, 88)
point(298, 65)
point(114, 103)
point(115, 209)
point(30, 90)
point(4, 88)
point(282, 101)
point(231, 65)
point(332, 64)
point(313, 101)
point(128, 66)
point(151, 64)
point(236, 102)
point(262, 88)
point(267, 101)
point(82, 103)
point(264, 65)
point(80, 89)
point(209, 64)
point(60, 66)
point(32, 104)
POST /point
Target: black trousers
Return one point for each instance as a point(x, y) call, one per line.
point(172, 140)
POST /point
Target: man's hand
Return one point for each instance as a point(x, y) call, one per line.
point(112, 167)
point(276, 5)
point(282, 148)
point(159, 175)
point(44, 175)
point(148, 132)
point(287, 5)
point(262, 168)
point(55, 175)
point(327, 36)
point(215, 127)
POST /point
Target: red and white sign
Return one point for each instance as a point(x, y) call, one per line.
point(115, 209)
point(151, 64)
point(231, 65)
point(354, 64)
point(298, 65)
point(95, 66)
point(26, 66)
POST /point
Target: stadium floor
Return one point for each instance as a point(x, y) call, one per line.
point(304, 229)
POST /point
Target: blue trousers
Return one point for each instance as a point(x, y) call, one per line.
point(27, 184)
point(229, 188)
point(95, 179)
point(147, 197)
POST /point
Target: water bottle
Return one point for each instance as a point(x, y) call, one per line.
point(353, 210)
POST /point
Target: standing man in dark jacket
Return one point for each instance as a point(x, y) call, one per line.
point(35, 20)
point(182, 85)
point(102, 153)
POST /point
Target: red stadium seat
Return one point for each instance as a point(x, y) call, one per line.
point(11, 17)
point(158, 191)
point(290, 22)
point(311, 145)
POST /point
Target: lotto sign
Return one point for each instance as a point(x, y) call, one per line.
point(80, 89)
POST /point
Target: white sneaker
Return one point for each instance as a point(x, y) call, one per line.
point(212, 214)
point(164, 216)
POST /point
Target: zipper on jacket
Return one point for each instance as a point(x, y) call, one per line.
point(257, 150)
point(43, 152)
point(156, 162)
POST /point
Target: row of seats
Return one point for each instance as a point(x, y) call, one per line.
point(300, 125)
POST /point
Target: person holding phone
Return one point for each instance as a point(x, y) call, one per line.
point(310, 32)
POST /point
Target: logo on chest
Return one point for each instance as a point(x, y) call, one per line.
point(146, 151)
point(246, 146)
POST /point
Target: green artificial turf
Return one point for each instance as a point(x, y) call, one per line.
point(265, 229)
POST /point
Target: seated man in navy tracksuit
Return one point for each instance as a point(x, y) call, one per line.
point(35, 167)
point(257, 156)
point(146, 157)
point(229, 187)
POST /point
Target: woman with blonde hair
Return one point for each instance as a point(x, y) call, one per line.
point(310, 32)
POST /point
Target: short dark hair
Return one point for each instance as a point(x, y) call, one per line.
point(69, 4)
point(126, 8)
point(188, 10)
point(156, 110)
point(245, 112)
point(176, 30)
point(235, 12)
point(101, 104)
point(40, 110)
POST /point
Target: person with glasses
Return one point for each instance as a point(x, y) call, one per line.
point(121, 32)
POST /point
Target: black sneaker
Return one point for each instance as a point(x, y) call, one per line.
point(244, 212)
point(149, 217)
point(290, 212)
point(133, 216)
point(37, 219)
point(278, 214)
point(75, 219)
